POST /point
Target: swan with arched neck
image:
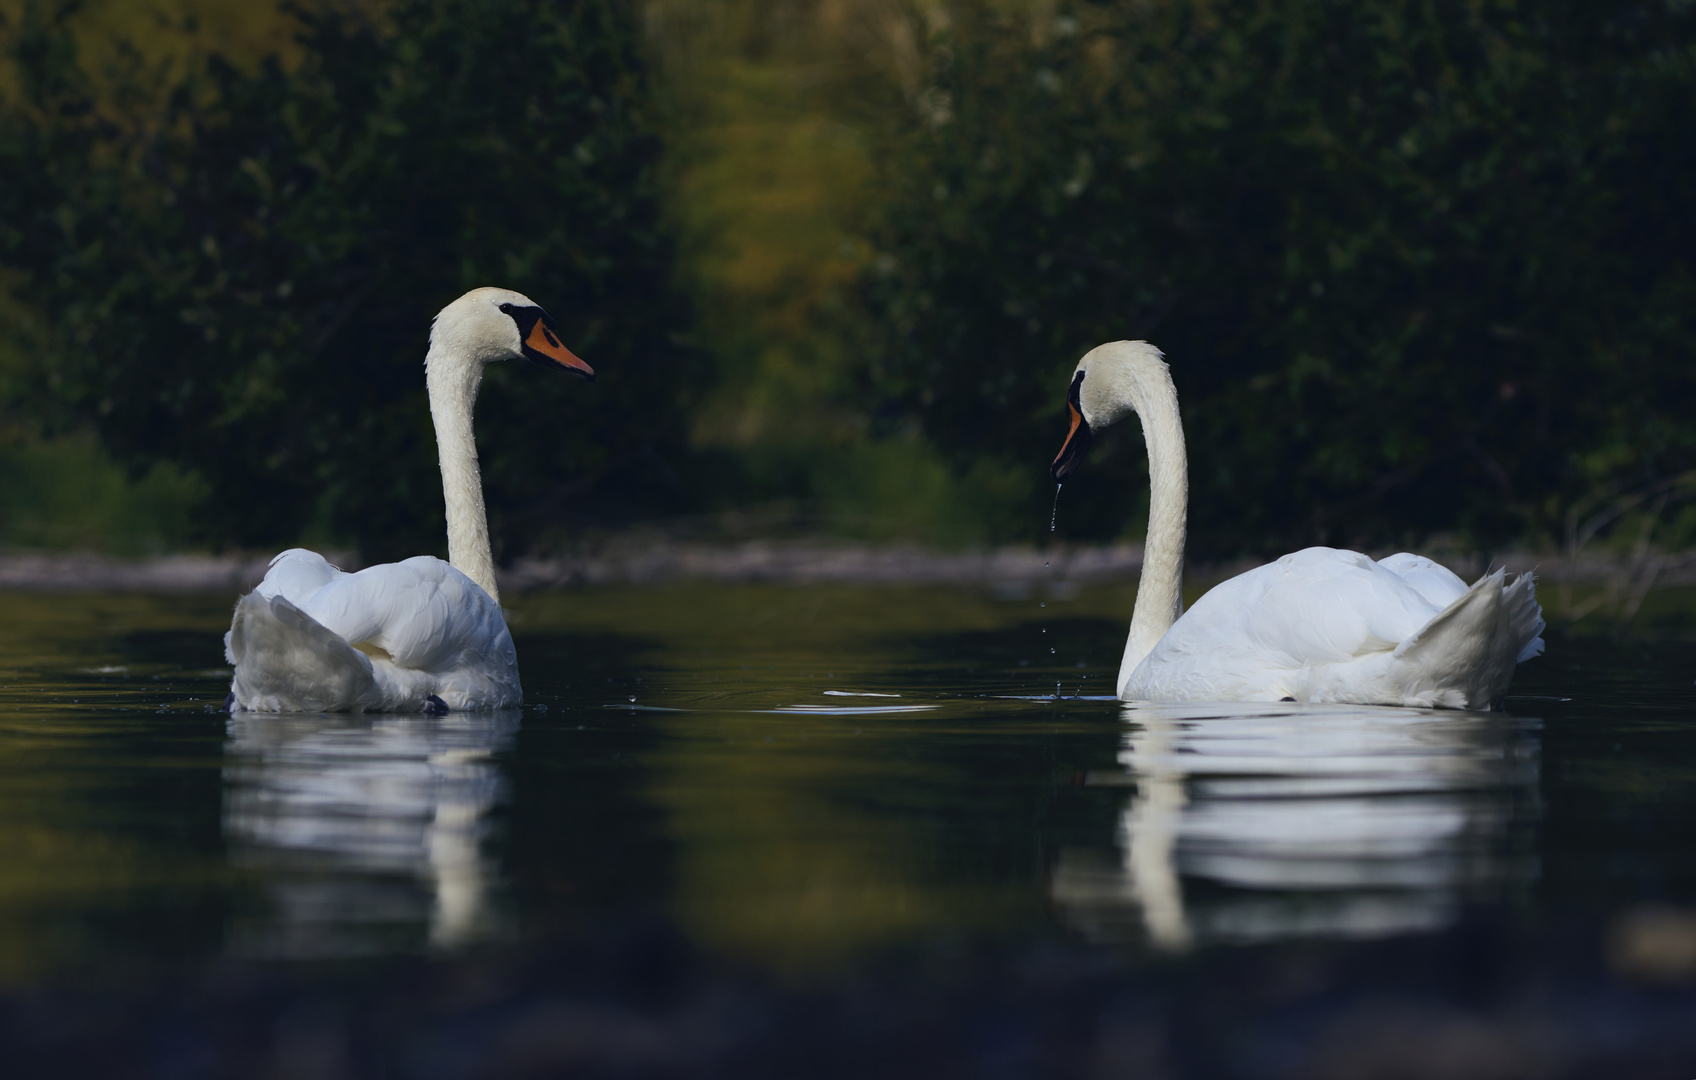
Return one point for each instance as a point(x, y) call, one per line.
point(422, 635)
point(1318, 625)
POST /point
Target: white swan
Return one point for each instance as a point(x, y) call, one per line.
point(1319, 625)
point(421, 635)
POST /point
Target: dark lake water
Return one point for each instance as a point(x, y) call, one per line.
point(804, 781)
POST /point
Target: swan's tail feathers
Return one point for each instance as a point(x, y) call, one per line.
point(1523, 617)
point(1465, 656)
point(286, 661)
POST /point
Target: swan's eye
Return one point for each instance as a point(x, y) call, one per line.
point(538, 343)
point(525, 317)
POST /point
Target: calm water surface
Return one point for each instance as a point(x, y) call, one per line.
point(800, 778)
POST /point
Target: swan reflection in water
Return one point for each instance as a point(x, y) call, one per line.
point(364, 833)
point(1253, 822)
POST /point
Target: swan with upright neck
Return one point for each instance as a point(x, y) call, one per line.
point(422, 635)
point(1318, 625)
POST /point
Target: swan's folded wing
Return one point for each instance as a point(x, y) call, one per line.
point(1325, 606)
point(296, 574)
point(1432, 580)
point(422, 612)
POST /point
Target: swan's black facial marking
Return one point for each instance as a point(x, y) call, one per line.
point(540, 345)
point(525, 317)
point(1077, 442)
point(434, 706)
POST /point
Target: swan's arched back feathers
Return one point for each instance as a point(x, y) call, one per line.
point(418, 628)
point(296, 573)
point(1327, 625)
point(422, 612)
point(1435, 582)
point(1324, 605)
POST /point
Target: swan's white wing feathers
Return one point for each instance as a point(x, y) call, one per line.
point(1262, 634)
point(1432, 580)
point(296, 574)
point(1324, 606)
point(287, 662)
point(422, 612)
point(1329, 625)
point(428, 627)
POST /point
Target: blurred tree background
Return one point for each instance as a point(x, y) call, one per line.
point(774, 112)
point(231, 269)
point(1418, 268)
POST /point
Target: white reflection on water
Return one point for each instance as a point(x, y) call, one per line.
point(1253, 822)
point(365, 834)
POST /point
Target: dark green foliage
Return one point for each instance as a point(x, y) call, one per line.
point(245, 288)
point(1416, 266)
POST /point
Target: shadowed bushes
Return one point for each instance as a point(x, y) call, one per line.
point(1416, 267)
point(242, 282)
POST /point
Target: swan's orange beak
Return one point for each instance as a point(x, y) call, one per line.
point(543, 347)
point(1072, 451)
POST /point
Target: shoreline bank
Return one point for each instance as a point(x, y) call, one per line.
point(780, 562)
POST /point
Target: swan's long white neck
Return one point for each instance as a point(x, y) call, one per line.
point(453, 379)
point(1160, 594)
